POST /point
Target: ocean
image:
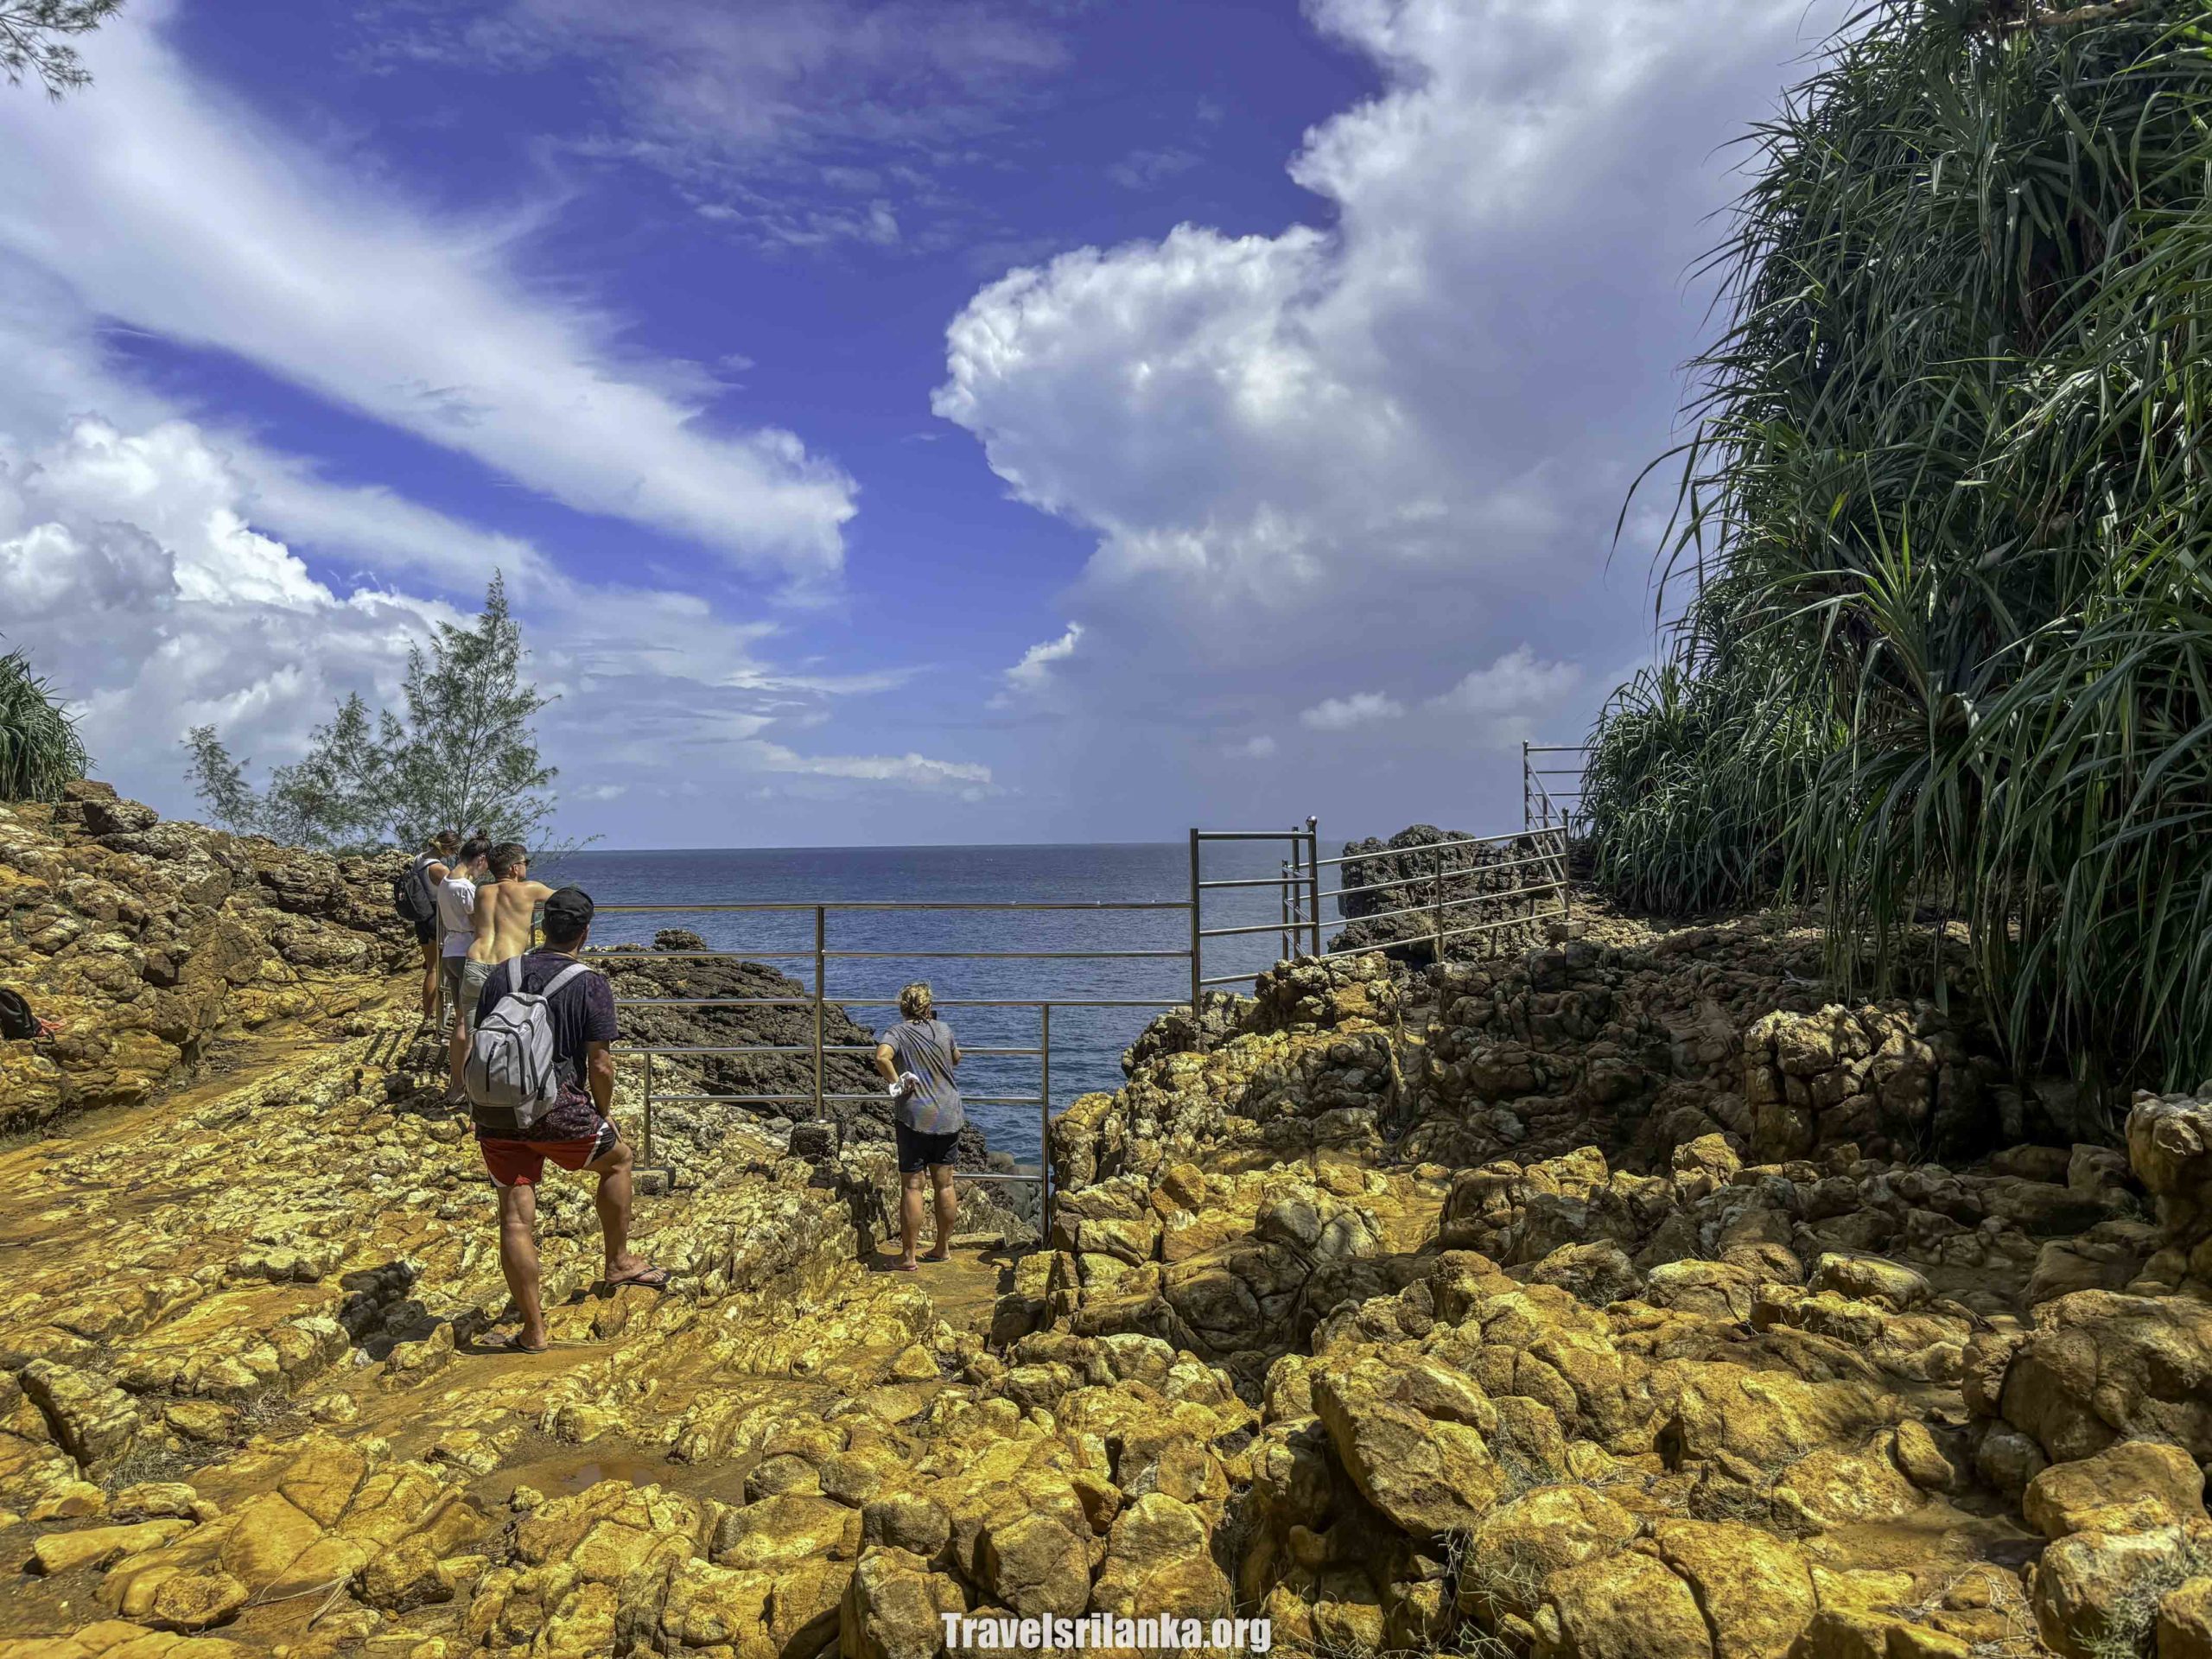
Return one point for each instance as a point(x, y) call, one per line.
point(1087, 1043)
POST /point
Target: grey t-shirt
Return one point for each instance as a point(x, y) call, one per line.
point(925, 1048)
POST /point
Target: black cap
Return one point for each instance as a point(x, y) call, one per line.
point(568, 912)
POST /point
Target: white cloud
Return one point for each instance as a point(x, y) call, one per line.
point(1033, 673)
point(1261, 747)
point(916, 770)
point(1342, 714)
point(160, 203)
point(1402, 431)
point(1515, 681)
point(130, 568)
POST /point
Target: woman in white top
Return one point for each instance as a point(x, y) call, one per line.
point(457, 921)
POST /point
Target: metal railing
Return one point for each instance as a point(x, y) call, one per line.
point(1542, 806)
point(817, 998)
point(1300, 893)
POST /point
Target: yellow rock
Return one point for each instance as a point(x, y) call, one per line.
point(60, 1551)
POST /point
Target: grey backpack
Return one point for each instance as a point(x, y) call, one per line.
point(510, 1065)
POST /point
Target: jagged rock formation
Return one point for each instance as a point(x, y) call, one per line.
point(1386, 880)
point(1831, 1402)
point(146, 942)
point(1598, 1303)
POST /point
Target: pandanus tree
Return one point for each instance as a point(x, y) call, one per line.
point(40, 750)
point(1943, 647)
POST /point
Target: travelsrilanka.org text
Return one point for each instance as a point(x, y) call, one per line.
point(1105, 1631)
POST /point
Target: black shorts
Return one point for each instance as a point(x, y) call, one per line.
point(918, 1151)
point(426, 932)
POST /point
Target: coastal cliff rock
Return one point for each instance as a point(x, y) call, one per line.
point(1602, 1300)
point(1399, 892)
point(144, 943)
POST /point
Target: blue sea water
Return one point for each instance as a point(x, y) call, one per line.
point(1087, 1043)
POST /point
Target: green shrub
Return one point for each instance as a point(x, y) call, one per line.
point(1946, 515)
point(39, 748)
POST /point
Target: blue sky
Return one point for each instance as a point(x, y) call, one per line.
point(939, 420)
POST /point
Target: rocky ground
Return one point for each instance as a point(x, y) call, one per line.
point(1614, 1300)
point(150, 944)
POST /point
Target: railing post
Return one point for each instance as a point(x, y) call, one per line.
point(1436, 901)
point(821, 962)
point(1045, 1111)
point(1198, 954)
point(1314, 879)
point(1296, 891)
point(649, 1106)
point(1282, 911)
point(1565, 886)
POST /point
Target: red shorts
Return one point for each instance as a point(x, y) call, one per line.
point(521, 1163)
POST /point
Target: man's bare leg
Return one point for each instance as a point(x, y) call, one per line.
point(431, 997)
point(518, 1260)
point(612, 1202)
point(948, 1212)
point(910, 1216)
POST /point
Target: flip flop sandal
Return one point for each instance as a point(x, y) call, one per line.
point(947, 1256)
point(646, 1278)
point(902, 1267)
point(514, 1345)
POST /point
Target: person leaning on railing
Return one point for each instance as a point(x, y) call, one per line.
point(917, 1057)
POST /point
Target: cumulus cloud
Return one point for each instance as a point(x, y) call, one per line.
point(1342, 714)
point(131, 567)
point(1507, 696)
point(164, 205)
point(125, 564)
point(1404, 430)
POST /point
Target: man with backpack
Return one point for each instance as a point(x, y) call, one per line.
point(414, 899)
point(540, 1080)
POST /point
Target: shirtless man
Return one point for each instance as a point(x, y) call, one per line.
point(506, 908)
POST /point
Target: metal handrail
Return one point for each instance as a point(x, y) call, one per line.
point(900, 904)
point(1434, 846)
point(1299, 885)
point(1407, 880)
point(817, 998)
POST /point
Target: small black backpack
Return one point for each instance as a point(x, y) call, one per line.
point(17, 1023)
point(411, 899)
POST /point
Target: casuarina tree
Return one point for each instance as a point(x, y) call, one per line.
point(34, 40)
point(460, 752)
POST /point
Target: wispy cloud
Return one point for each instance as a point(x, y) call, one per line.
point(164, 205)
point(1144, 170)
point(800, 123)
